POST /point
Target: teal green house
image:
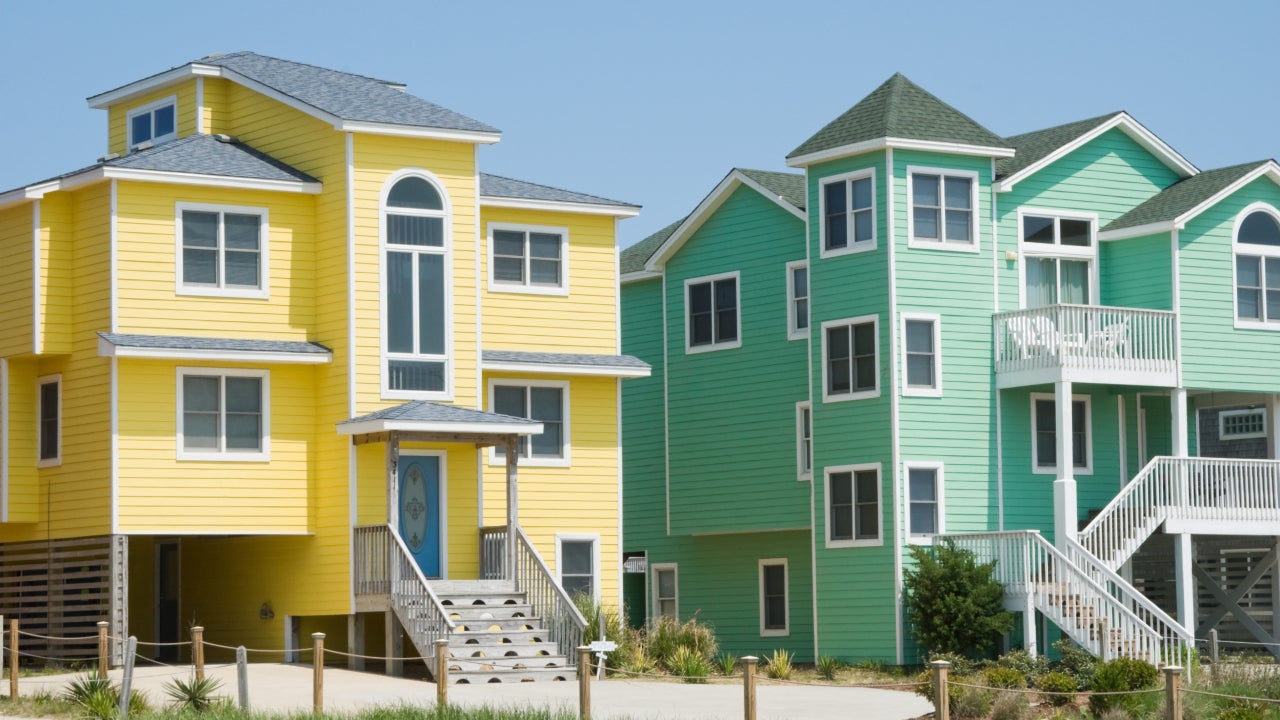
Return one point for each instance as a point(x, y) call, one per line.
point(1060, 349)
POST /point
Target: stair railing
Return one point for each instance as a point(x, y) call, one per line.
point(417, 606)
point(1133, 514)
point(560, 617)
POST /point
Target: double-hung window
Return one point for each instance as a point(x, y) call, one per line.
point(223, 414)
point(156, 122)
point(576, 564)
point(848, 213)
point(1257, 267)
point(545, 401)
point(50, 421)
point(528, 259)
point(922, 355)
point(666, 591)
point(804, 440)
point(773, 598)
point(851, 364)
point(415, 287)
point(1044, 432)
point(924, 494)
point(712, 317)
point(222, 250)
point(944, 206)
point(1058, 257)
point(853, 506)
point(797, 300)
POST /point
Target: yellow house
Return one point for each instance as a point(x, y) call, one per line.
point(284, 360)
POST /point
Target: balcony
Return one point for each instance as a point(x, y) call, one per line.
point(1086, 343)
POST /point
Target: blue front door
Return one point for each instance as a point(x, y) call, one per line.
point(420, 510)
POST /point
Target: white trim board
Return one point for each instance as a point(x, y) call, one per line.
point(617, 211)
point(903, 143)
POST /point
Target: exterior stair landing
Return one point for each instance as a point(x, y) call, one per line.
point(498, 637)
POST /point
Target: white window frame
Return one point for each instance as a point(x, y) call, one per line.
point(794, 332)
point(785, 630)
point(941, 502)
point(853, 247)
point(224, 455)
point(975, 244)
point(655, 599)
point(827, 396)
point(1260, 251)
point(596, 575)
point(1057, 251)
point(803, 473)
point(936, 389)
point(1222, 429)
point(1088, 435)
point(563, 385)
point(150, 108)
point(689, 348)
point(826, 503)
point(527, 287)
point(56, 460)
point(263, 291)
point(447, 252)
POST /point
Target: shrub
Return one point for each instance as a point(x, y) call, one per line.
point(726, 663)
point(827, 667)
point(1244, 710)
point(98, 698)
point(953, 602)
point(960, 665)
point(778, 665)
point(1058, 682)
point(615, 629)
point(639, 662)
point(689, 665)
point(1021, 660)
point(1119, 675)
point(1076, 662)
point(970, 703)
point(667, 636)
point(194, 694)
point(1010, 706)
point(1004, 677)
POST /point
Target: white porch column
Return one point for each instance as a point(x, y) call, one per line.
point(1029, 626)
point(1178, 406)
point(1184, 557)
point(1065, 522)
point(513, 506)
point(1273, 430)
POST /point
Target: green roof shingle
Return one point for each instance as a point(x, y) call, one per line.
point(788, 186)
point(900, 109)
point(1034, 146)
point(1178, 198)
point(634, 257)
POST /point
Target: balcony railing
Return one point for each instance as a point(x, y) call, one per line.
point(1088, 343)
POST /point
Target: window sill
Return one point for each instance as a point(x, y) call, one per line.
point(854, 249)
point(223, 457)
point(804, 477)
point(946, 246)
point(922, 392)
point(843, 397)
point(1256, 325)
point(696, 349)
point(802, 334)
point(498, 287)
point(49, 463)
point(925, 540)
point(775, 633)
point(246, 293)
point(446, 395)
point(836, 544)
point(1054, 471)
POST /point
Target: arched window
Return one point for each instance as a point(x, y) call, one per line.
point(1257, 266)
point(415, 289)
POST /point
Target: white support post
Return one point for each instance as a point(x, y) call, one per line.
point(512, 452)
point(1273, 429)
point(1178, 407)
point(1029, 626)
point(1184, 558)
point(1065, 516)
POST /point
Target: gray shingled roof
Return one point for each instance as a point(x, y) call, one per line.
point(504, 187)
point(900, 109)
point(634, 257)
point(1178, 198)
point(1034, 146)
point(174, 342)
point(543, 358)
point(788, 186)
point(425, 411)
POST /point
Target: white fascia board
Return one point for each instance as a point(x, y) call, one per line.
point(223, 181)
point(903, 143)
point(155, 82)
point(366, 427)
point(566, 369)
point(107, 349)
point(638, 276)
point(418, 131)
point(621, 211)
point(1136, 231)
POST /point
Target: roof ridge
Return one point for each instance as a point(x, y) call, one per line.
point(894, 97)
point(247, 53)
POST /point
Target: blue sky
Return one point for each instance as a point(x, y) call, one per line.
point(653, 102)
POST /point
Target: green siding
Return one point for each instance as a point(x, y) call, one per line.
point(643, 453)
point(1208, 327)
point(1137, 272)
point(732, 412)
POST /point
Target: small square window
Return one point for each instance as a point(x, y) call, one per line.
point(943, 212)
point(543, 401)
point(222, 414)
point(155, 123)
point(222, 251)
point(711, 313)
point(528, 259)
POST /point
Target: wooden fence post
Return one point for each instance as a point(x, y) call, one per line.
point(442, 672)
point(197, 650)
point(103, 646)
point(584, 678)
point(13, 657)
point(126, 681)
point(749, 687)
point(317, 664)
point(1213, 654)
point(1172, 692)
point(941, 694)
point(242, 677)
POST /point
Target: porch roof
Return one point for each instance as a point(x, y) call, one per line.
point(422, 416)
point(565, 363)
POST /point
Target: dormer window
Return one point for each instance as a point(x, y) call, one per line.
point(156, 122)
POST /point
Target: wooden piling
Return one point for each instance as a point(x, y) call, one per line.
point(442, 672)
point(584, 681)
point(941, 692)
point(749, 686)
point(317, 664)
point(197, 650)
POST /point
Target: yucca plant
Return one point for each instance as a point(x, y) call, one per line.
point(195, 694)
point(726, 663)
point(689, 664)
point(827, 667)
point(778, 665)
point(94, 696)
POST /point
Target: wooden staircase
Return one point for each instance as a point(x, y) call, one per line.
point(497, 636)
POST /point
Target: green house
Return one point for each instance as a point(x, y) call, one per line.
point(1057, 348)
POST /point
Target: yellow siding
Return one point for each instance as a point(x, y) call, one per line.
point(117, 128)
point(57, 269)
point(216, 110)
point(160, 494)
point(15, 291)
point(280, 131)
point(585, 320)
point(582, 498)
point(147, 266)
point(376, 158)
point(26, 494)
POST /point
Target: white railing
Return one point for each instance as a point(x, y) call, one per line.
point(1195, 488)
point(384, 565)
point(1094, 606)
point(560, 617)
point(1087, 337)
